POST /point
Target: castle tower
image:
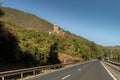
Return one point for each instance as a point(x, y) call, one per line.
point(56, 28)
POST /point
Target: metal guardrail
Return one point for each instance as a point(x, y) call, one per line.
point(21, 72)
point(34, 69)
point(115, 63)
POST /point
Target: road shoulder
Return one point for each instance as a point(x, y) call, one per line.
point(109, 70)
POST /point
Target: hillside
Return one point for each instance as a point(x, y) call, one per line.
point(32, 41)
point(26, 20)
point(31, 22)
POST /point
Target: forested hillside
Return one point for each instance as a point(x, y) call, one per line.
point(26, 20)
point(32, 41)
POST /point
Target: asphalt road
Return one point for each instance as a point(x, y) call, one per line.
point(88, 71)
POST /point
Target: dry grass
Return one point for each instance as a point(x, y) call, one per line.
point(64, 58)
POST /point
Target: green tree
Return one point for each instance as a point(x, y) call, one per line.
point(1, 12)
point(8, 44)
point(53, 55)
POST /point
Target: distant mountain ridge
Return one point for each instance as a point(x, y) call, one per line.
point(26, 20)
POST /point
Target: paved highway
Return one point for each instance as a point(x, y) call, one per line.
point(87, 71)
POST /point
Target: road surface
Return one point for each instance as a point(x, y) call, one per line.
point(88, 71)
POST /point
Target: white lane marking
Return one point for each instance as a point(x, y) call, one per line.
point(65, 77)
point(79, 69)
point(108, 71)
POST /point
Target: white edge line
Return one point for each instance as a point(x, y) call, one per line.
point(65, 77)
point(108, 71)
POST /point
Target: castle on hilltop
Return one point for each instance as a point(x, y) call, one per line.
point(57, 30)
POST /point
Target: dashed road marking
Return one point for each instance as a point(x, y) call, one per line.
point(65, 77)
point(79, 69)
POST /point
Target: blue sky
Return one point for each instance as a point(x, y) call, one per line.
point(95, 20)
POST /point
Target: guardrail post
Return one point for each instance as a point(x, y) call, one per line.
point(49, 69)
point(33, 72)
point(55, 68)
point(3, 78)
point(21, 76)
point(40, 70)
point(59, 67)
